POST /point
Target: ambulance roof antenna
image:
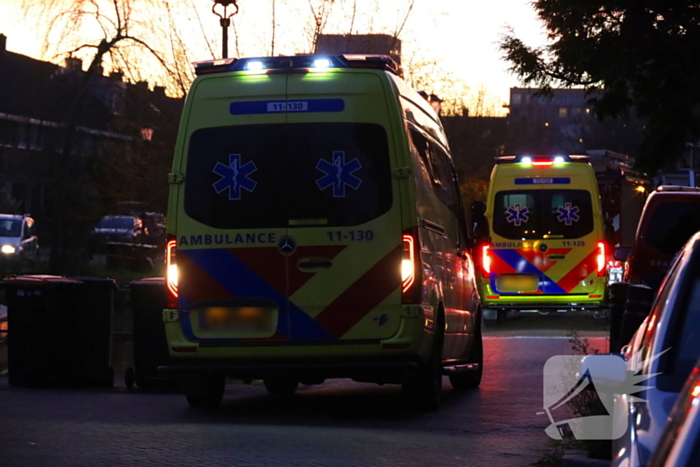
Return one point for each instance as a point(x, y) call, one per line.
point(225, 21)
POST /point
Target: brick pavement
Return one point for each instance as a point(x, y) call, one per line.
point(340, 423)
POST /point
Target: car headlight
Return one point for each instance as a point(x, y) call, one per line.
point(8, 249)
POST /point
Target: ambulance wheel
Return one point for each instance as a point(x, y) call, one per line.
point(210, 396)
point(129, 377)
point(424, 387)
point(471, 379)
point(281, 385)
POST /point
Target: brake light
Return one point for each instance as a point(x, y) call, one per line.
point(410, 268)
point(486, 260)
point(540, 162)
point(601, 259)
point(171, 272)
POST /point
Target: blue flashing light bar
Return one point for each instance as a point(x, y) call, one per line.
point(542, 161)
point(296, 64)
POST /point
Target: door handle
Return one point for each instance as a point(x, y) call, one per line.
point(313, 264)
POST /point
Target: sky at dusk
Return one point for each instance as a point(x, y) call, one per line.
point(460, 35)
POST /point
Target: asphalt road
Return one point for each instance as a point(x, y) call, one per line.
point(338, 423)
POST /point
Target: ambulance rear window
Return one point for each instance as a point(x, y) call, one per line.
point(280, 175)
point(532, 214)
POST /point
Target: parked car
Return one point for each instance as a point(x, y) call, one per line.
point(670, 216)
point(18, 241)
point(665, 349)
point(154, 228)
point(680, 442)
point(121, 229)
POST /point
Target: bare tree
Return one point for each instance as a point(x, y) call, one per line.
point(274, 28)
point(402, 25)
point(352, 24)
point(127, 38)
point(320, 11)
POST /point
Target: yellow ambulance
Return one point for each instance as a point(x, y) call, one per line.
point(315, 230)
point(547, 250)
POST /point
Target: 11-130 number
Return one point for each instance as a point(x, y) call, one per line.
point(352, 235)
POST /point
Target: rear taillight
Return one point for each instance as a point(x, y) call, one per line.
point(411, 268)
point(486, 260)
point(602, 262)
point(171, 272)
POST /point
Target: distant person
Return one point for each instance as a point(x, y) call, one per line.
point(480, 224)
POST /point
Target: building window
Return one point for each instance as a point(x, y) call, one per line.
point(22, 136)
point(563, 112)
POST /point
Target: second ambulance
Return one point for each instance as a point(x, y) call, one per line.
point(547, 250)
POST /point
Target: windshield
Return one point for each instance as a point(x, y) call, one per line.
point(280, 175)
point(671, 226)
point(532, 214)
point(10, 227)
point(116, 223)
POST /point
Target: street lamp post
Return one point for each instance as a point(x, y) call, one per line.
point(225, 21)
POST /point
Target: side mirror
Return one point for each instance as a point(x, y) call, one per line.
point(478, 208)
point(622, 253)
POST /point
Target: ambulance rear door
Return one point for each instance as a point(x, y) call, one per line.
point(343, 207)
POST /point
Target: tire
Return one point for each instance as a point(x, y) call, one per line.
point(424, 388)
point(471, 379)
point(210, 397)
point(281, 385)
point(129, 377)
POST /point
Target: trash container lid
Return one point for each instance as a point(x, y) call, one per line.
point(39, 279)
point(149, 280)
point(94, 279)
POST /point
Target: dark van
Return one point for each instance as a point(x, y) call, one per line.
point(671, 216)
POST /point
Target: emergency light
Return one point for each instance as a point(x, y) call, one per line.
point(296, 64)
point(541, 161)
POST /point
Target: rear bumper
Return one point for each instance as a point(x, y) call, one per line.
point(387, 370)
point(490, 311)
point(386, 360)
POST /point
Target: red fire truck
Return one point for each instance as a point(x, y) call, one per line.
point(623, 192)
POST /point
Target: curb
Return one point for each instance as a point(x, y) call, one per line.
point(576, 458)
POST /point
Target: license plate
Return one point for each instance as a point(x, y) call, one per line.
point(237, 319)
point(517, 283)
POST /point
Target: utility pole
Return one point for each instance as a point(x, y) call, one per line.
point(225, 21)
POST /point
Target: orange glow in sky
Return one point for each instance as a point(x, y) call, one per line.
point(461, 35)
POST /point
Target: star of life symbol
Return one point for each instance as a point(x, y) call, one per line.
point(235, 177)
point(338, 174)
point(517, 214)
point(580, 391)
point(568, 214)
